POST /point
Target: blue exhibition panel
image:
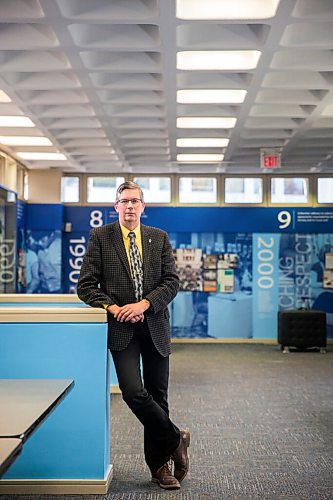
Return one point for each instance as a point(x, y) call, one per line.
point(73, 443)
point(281, 260)
point(230, 315)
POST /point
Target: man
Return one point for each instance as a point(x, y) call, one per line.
point(129, 270)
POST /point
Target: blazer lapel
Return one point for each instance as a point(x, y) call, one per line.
point(118, 242)
point(146, 250)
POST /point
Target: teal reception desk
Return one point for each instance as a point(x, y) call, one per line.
point(71, 451)
point(54, 300)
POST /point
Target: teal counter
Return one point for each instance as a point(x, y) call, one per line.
point(70, 453)
point(53, 300)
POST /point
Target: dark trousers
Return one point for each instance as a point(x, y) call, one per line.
point(148, 400)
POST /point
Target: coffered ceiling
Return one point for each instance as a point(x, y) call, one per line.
point(101, 79)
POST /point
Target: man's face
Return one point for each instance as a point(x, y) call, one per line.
point(44, 241)
point(129, 207)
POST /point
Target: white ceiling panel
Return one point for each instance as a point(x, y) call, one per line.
point(100, 80)
point(104, 10)
point(28, 9)
point(115, 36)
point(25, 36)
point(136, 62)
point(219, 36)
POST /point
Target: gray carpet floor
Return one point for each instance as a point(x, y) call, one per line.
point(261, 427)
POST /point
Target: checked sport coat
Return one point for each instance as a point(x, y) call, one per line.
point(105, 278)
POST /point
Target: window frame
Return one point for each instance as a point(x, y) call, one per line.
point(247, 204)
point(316, 202)
point(203, 204)
point(99, 203)
point(156, 203)
point(308, 203)
point(79, 176)
point(312, 180)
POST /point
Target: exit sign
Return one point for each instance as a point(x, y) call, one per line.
point(270, 158)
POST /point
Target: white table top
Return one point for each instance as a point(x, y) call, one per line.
point(26, 403)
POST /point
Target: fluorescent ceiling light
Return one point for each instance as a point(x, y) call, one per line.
point(193, 158)
point(218, 59)
point(202, 142)
point(16, 140)
point(41, 156)
point(205, 122)
point(4, 97)
point(15, 121)
point(226, 9)
point(214, 96)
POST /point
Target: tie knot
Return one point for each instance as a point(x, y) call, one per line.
point(131, 235)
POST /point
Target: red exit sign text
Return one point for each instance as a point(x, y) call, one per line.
point(269, 160)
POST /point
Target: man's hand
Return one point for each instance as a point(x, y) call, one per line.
point(130, 312)
point(135, 319)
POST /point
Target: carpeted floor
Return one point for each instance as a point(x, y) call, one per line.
point(261, 426)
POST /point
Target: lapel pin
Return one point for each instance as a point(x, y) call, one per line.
point(149, 240)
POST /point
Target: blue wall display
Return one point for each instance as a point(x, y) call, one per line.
point(43, 261)
point(212, 219)
point(265, 281)
point(280, 260)
point(21, 284)
point(74, 249)
point(8, 254)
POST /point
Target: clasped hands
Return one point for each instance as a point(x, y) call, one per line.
point(129, 312)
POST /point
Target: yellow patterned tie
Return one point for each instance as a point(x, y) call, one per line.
point(136, 267)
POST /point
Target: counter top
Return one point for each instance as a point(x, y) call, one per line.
point(39, 297)
point(51, 314)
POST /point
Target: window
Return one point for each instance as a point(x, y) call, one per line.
point(155, 189)
point(70, 189)
point(26, 186)
point(325, 190)
point(243, 190)
point(197, 190)
point(289, 190)
point(20, 182)
point(103, 189)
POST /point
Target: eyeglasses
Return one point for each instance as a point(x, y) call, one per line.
point(135, 202)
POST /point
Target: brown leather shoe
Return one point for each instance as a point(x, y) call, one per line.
point(180, 456)
point(164, 478)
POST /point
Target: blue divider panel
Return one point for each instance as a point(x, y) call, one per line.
point(73, 443)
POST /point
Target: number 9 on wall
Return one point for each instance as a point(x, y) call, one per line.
point(284, 217)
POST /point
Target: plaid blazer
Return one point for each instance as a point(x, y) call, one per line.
point(105, 278)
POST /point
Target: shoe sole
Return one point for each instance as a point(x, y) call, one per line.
point(186, 437)
point(165, 486)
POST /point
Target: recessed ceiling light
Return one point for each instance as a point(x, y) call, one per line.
point(226, 9)
point(15, 121)
point(41, 156)
point(4, 97)
point(202, 142)
point(194, 158)
point(205, 122)
point(218, 59)
point(15, 140)
point(211, 96)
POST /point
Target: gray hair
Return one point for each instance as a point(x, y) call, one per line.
point(129, 185)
